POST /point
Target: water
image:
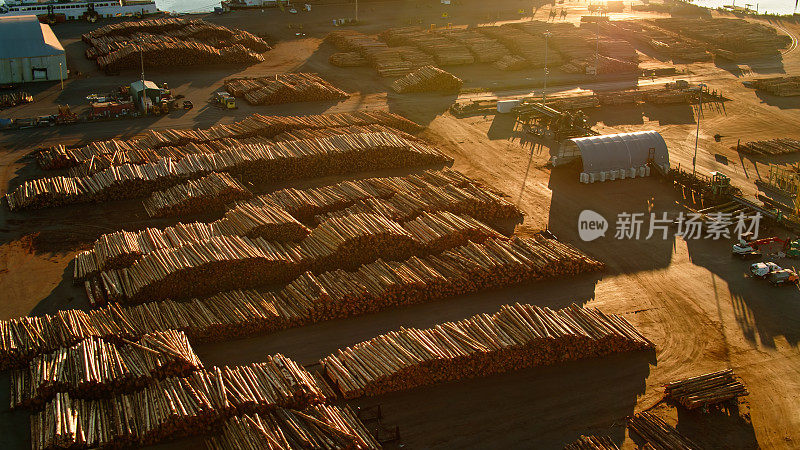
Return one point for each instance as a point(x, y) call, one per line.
point(783, 7)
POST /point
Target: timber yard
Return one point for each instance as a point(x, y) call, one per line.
point(400, 224)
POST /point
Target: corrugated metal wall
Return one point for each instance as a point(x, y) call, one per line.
point(20, 70)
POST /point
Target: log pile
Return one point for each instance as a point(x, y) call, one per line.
point(482, 47)
point(592, 443)
point(171, 42)
point(308, 299)
point(14, 99)
point(446, 52)
point(347, 59)
point(677, 46)
point(528, 46)
point(227, 262)
point(319, 426)
point(284, 88)
point(427, 79)
point(279, 161)
point(516, 337)
point(780, 86)
point(705, 390)
point(658, 434)
point(387, 61)
point(208, 194)
point(174, 407)
point(95, 368)
point(779, 146)
point(122, 248)
point(511, 62)
point(158, 144)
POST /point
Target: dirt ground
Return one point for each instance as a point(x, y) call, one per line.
point(689, 297)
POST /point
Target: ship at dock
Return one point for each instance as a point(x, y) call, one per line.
point(49, 11)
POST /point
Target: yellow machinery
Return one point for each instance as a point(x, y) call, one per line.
point(785, 179)
point(225, 100)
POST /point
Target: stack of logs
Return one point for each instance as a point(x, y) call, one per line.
point(445, 51)
point(171, 42)
point(592, 443)
point(658, 434)
point(319, 426)
point(157, 144)
point(779, 146)
point(427, 79)
point(780, 86)
point(347, 59)
point(705, 390)
point(227, 262)
point(387, 61)
point(308, 299)
point(175, 407)
point(256, 162)
point(516, 337)
point(284, 88)
point(205, 195)
point(96, 368)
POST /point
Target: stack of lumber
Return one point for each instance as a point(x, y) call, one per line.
point(705, 390)
point(675, 45)
point(389, 62)
point(208, 194)
point(600, 64)
point(569, 41)
point(347, 59)
point(446, 52)
point(308, 299)
point(658, 434)
point(97, 368)
point(592, 443)
point(617, 49)
point(171, 42)
point(174, 407)
point(778, 146)
point(14, 99)
point(516, 337)
point(511, 62)
point(227, 262)
point(284, 88)
point(780, 86)
point(482, 47)
point(427, 79)
point(122, 248)
point(319, 426)
point(525, 45)
point(278, 161)
point(256, 125)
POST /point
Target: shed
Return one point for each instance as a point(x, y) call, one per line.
point(145, 89)
point(29, 51)
point(618, 155)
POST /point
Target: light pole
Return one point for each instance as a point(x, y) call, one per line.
point(697, 135)
point(61, 75)
point(597, 48)
point(356, 11)
point(544, 89)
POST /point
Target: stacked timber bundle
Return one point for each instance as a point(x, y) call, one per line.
point(284, 88)
point(171, 42)
point(676, 45)
point(319, 426)
point(522, 44)
point(279, 161)
point(347, 59)
point(620, 97)
point(14, 99)
point(516, 337)
point(705, 390)
point(600, 64)
point(483, 48)
point(388, 62)
point(511, 62)
point(208, 194)
point(592, 443)
point(174, 407)
point(779, 146)
point(658, 434)
point(427, 79)
point(97, 368)
point(261, 218)
point(220, 263)
point(780, 86)
point(309, 298)
point(176, 143)
point(445, 51)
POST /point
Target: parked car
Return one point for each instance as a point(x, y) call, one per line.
point(762, 269)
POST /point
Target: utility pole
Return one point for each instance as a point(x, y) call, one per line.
point(697, 136)
point(141, 59)
point(544, 88)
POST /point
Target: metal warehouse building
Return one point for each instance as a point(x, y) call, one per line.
point(617, 156)
point(29, 51)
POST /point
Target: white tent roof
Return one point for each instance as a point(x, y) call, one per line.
point(25, 37)
point(621, 151)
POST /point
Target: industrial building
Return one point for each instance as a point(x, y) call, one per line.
point(616, 156)
point(29, 51)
